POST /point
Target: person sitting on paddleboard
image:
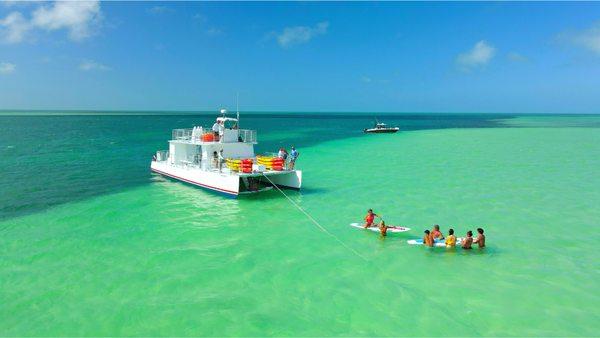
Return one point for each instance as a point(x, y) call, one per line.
point(436, 233)
point(480, 240)
point(427, 239)
point(369, 218)
point(468, 241)
point(451, 239)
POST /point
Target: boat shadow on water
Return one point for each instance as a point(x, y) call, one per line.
point(276, 194)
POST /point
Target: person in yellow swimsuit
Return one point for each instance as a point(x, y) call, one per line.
point(451, 239)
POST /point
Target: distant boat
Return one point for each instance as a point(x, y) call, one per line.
point(381, 128)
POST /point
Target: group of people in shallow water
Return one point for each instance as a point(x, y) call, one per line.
point(467, 243)
point(432, 236)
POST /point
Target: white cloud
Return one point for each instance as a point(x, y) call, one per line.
point(11, 3)
point(213, 31)
point(7, 68)
point(516, 57)
point(159, 10)
point(371, 80)
point(300, 34)
point(78, 17)
point(479, 55)
point(588, 39)
point(13, 28)
point(199, 17)
point(91, 65)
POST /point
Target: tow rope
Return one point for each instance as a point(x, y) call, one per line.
point(314, 220)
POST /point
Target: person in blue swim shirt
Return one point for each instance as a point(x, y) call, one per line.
point(293, 157)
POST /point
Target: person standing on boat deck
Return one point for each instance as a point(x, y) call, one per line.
point(215, 129)
point(480, 240)
point(221, 128)
point(215, 159)
point(282, 153)
point(293, 157)
point(221, 159)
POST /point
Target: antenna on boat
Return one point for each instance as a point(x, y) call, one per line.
point(237, 107)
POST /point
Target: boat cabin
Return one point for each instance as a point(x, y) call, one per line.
point(199, 145)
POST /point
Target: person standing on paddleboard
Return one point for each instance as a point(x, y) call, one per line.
point(369, 218)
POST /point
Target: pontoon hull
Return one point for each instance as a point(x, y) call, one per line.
point(224, 183)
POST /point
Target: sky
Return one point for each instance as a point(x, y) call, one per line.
point(484, 57)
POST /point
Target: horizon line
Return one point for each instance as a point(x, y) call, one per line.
point(8, 112)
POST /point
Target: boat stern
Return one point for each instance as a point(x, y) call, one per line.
point(291, 179)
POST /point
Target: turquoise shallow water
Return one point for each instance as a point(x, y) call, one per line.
point(103, 248)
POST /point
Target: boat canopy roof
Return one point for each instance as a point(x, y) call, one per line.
point(225, 119)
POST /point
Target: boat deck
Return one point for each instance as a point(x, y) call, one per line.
point(225, 171)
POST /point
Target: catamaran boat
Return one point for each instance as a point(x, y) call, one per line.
point(222, 159)
point(381, 128)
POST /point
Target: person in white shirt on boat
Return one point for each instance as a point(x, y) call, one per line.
point(215, 129)
point(283, 154)
point(221, 128)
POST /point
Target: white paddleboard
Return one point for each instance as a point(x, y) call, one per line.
point(436, 243)
point(375, 228)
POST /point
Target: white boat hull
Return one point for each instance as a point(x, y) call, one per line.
point(225, 182)
point(382, 130)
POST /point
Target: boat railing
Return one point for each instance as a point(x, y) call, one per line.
point(182, 134)
point(248, 136)
point(191, 161)
point(244, 135)
point(162, 155)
